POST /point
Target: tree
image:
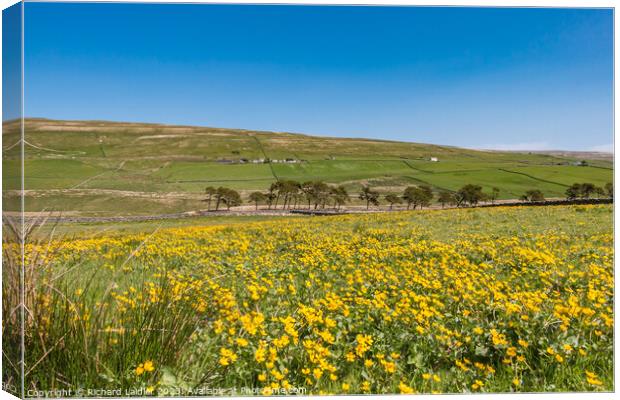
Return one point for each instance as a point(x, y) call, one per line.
point(231, 198)
point(210, 191)
point(219, 194)
point(393, 199)
point(426, 195)
point(270, 198)
point(289, 190)
point(340, 196)
point(494, 195)
point(573, 192)
point(227, 196)
point(418, 196)
point(446, 198)
point(580, 190)
point(410, 195)
point(320, 194)
point(587, 189)
point(306, 190)
point(599, 192)
point(257, 197)
point(369, 196)
point(533, 195)
point(609, 190)
point(469, 194)
point(316, 192)
point(276, 188)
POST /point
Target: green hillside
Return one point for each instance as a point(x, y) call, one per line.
point(98, 167)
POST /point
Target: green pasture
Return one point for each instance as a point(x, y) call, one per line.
point(338, 171)
point(101, 156)
point(567, 175)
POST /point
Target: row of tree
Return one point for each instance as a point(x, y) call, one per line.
point(317, 194)
point(288, 193)
point(575, 191)
point(222, 195)
point(588, 190)
point(293, 194)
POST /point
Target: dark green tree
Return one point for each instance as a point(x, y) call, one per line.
point(393, 199)
point(270, 199)
point(369, 196)
point(289, 190)
point(257, 197)
point(276, 188)
point(418, 196)
point(446, 198)
point(227, 196)
point(580, 191)
point(469, 194)
point(210, 192)
point(339, 195)
point(231, 198)
point(609, 190)
point(533, 195)
point(316, 192)
point(573, 192)
point(427, 195)
point(587, 190)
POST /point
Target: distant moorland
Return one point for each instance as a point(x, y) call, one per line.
point(113, 168)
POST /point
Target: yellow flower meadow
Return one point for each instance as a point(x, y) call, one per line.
point(480, 300)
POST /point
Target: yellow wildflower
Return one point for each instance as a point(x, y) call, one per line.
point(404, 388)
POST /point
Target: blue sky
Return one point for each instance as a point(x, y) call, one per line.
point(472, 77)
point(11, 61)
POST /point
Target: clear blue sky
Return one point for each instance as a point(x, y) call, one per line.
point(473, 77)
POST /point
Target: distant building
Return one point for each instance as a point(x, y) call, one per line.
point(434, 159)
point(582, 163)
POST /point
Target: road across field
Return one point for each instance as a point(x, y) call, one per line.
point(244, 211)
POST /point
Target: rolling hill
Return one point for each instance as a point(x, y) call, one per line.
point(115, 168)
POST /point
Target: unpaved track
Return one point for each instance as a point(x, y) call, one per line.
point(251, 211)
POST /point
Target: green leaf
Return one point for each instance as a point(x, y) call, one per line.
point(481, 350)
point(417, 360)
point(107, 378)
point(168, 378)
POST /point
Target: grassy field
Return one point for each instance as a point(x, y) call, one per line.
point(96, 229)
point(85, 166)
point(468, 300)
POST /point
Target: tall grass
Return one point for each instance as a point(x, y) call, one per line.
point(11, 310)
point(71, 333)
